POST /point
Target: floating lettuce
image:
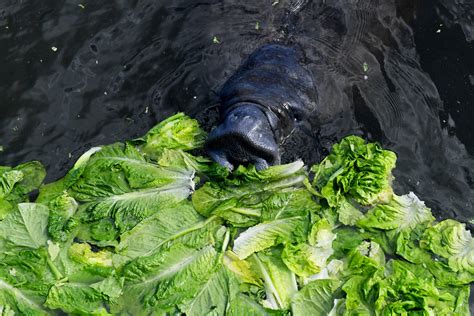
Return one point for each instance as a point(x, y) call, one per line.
point(146, 227)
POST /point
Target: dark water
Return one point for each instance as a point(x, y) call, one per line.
point(399, 72)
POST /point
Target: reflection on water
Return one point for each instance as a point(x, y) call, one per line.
point(399, 72)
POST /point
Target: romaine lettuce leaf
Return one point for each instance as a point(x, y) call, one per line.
point(117, 188)
point(176, 132)
point(214, 296)
point(60, 221)
point(452, 241)
point(242, 197)
point(316, 298)
point(268, 234)
point(83, 298)
point(401, 213)
point(176, 222)
point(178, 158)
point(174, 274)
point(242, 269)
point(244, 305)
point(413, 289)
point(24, 280)
point(17, 182)
point(15, 302)
point(306, 259)
point(357, 170)
point(402, 221)
point(279, 282)
point(26, 226)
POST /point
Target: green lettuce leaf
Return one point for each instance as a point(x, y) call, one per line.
point(242, 269)
point(308, 259)
point(279, 282)
point(25, 279)
point(173, 275)
point(118, 188)
point(403, 221)
point(242, 198)
point(27, 226)
point(15, 302)
point(452, 241)
point(401, 213)
point(178, 158)
point(176, 132)
point(244, 305)
point(17, 182)
point(268, 234)
point(176, 222)
point(347, 239)
point(357, 170)
point(214, 296)
point(413, 289)
point(316, 298)
point(60, 222)
point(77, 298)
point(365, 288)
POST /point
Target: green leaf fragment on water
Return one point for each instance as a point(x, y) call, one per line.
point(365, 66)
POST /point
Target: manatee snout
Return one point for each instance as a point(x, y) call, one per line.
point(259, 107)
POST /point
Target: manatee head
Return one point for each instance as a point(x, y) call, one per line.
point(260, 105)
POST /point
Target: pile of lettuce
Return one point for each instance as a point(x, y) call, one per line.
point(147, 228)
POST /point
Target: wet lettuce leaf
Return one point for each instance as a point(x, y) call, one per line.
point(279, 282)
point(17, 182)
point(27, 226)
point(357, 170)
point(124, 233)
point(178, 223)
point(318, 297)
point(172, 275)
point(242, 198)
point(309, 258)
point(451, 240)
point(176, 132)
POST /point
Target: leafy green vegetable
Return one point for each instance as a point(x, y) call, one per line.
point(400, 214)
point(60, 221)
point(316, 298)
point(279, 282)
point(357, 170)
point(214, 296)
point(176, 132)
point(124, 233)
point(450, 240)
point(16, 183)
point(242, 198)
point(27, 227)
point(268, 234)
point(170, 276)
point(77, 298)
point(179, 223)
point(308, 259)
point(13, 301)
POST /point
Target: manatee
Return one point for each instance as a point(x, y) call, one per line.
point(260, 104)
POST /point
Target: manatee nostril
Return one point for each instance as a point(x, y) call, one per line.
point(245, 136)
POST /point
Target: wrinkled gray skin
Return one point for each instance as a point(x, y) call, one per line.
point(260, 105)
